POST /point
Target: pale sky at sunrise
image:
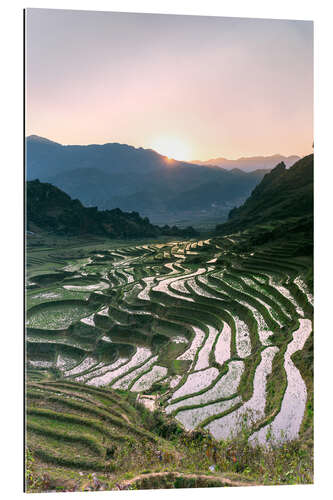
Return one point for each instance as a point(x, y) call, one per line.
point(190, 87)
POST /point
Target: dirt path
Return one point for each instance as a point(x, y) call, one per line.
point(223, 480)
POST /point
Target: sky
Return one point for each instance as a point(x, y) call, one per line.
point(190, 87)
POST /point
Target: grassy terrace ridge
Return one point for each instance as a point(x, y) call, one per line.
point(103, 315)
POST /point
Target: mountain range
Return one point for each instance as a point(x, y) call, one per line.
point(116, 175)
point(249, 164)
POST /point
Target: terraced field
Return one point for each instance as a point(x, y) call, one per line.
point(194, 328)
point(87, 428)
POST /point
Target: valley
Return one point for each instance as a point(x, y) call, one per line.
point(112, 175)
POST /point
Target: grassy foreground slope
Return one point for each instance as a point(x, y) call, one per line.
point(81, 438)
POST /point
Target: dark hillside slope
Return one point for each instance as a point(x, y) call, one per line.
point(50, 209)
point(282, 195)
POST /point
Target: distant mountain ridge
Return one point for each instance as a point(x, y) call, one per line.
point(116, 175)
point(251, 163)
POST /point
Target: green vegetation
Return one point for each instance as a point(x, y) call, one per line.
point(169, 362)
point(77, 452)
point(282, 202)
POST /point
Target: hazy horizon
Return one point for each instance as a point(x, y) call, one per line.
point(140, 147)
point(190, 87)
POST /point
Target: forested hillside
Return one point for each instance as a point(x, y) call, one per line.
point(50, 209)
point(282, 201)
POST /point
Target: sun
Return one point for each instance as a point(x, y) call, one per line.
point(172, 147)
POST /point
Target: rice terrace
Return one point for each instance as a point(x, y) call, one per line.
point(202, 333)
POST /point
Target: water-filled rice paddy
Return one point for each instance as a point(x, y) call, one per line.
point(193, 318)
point(56, 315)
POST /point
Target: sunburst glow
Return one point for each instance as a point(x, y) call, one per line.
point(172, 147)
